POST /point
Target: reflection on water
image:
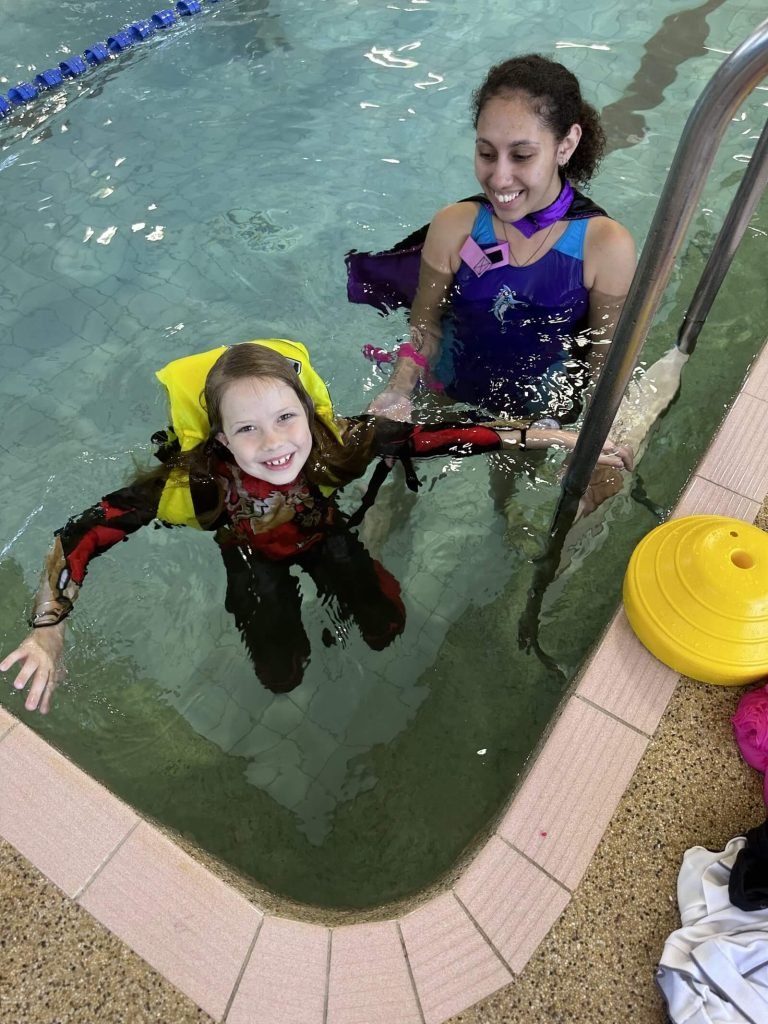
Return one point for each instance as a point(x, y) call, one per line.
point(682, 35)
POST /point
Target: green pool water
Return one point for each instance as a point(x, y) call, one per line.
point(203, 189)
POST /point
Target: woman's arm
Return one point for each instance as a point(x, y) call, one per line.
point(84, 537)
point(618, 456)
point(439, 262)
point(462, 439)
point(609, 266)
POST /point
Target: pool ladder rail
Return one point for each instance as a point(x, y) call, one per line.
point(97, 53)
point(734, 80)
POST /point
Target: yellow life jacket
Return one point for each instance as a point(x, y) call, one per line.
point(184, 380)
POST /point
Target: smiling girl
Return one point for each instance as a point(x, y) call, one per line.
point(519, 288)
point(256, 455)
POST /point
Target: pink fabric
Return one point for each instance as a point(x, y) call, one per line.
point(750, 727)
point(407, 351)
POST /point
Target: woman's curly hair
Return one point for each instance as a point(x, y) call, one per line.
point(555, 96)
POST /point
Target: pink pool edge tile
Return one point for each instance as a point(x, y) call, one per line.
point(7, 722)
point(180, 918)
point(286, 978)
point(513, 901)
point(58, 817)
point(370, 982)
point(702, 497)
point(733, 463)
point(452, 964)
point(624, 678)
point(566, 801)
point(757, 382)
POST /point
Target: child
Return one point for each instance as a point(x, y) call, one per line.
point(530, 274)
point(258, 461)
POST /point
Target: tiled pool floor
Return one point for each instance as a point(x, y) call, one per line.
point(687, 787)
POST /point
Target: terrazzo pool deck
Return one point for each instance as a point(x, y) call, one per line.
point(208, 949)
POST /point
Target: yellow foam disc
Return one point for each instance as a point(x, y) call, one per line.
point(696, 594)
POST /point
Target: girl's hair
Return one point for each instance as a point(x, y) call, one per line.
point(555, 98)
point(330, 463)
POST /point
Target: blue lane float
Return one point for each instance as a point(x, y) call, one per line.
point(97, 54)
point(73, 66)
point(163, 19)
point(50, 78)
point(118, 43)
point(141, 30)
point(22, 93)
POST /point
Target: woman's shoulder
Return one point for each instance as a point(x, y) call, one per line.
point(609, 256)
point(447, 233)
point(456, 218)
point(604, 233)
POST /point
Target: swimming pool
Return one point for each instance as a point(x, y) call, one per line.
point(162, 210)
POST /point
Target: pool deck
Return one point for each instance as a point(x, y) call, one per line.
point(493, 939)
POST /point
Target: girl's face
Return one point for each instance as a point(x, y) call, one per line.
point(265, 427)
point(517, 159)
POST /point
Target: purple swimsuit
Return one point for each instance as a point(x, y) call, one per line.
point(509, 344)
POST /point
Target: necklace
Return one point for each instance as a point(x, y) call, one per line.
point(535, 252)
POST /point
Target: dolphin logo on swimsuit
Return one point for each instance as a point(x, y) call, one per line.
point(505, 300)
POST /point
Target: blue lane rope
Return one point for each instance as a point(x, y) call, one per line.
point(97, 54)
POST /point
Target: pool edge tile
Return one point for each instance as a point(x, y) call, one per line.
point(731, 463)
point(453, 965)
point(370, 980)
point(757, 381)
point(184, 921)
point(568, 798)
point(58, 817)
point(270, 973)
point(7, 722)
point(623, 678)
point(703, 497)
point(512, 901)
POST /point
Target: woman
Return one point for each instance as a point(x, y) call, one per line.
point(529, 277)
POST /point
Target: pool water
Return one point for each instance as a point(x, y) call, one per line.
point(203, 188)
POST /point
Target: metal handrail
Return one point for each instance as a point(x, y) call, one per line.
point(747, 196)
point(733, 81)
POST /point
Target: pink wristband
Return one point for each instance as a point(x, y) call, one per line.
point(407, 351)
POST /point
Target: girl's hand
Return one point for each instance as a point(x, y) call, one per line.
point(392, 404)
point(40, 656)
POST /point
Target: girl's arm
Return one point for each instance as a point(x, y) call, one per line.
point(83, 538)
point(439, 262)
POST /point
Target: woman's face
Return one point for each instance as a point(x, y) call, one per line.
point(517, 159)
point(265, 428)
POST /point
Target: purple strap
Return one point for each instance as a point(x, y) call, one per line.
point(541, 219)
